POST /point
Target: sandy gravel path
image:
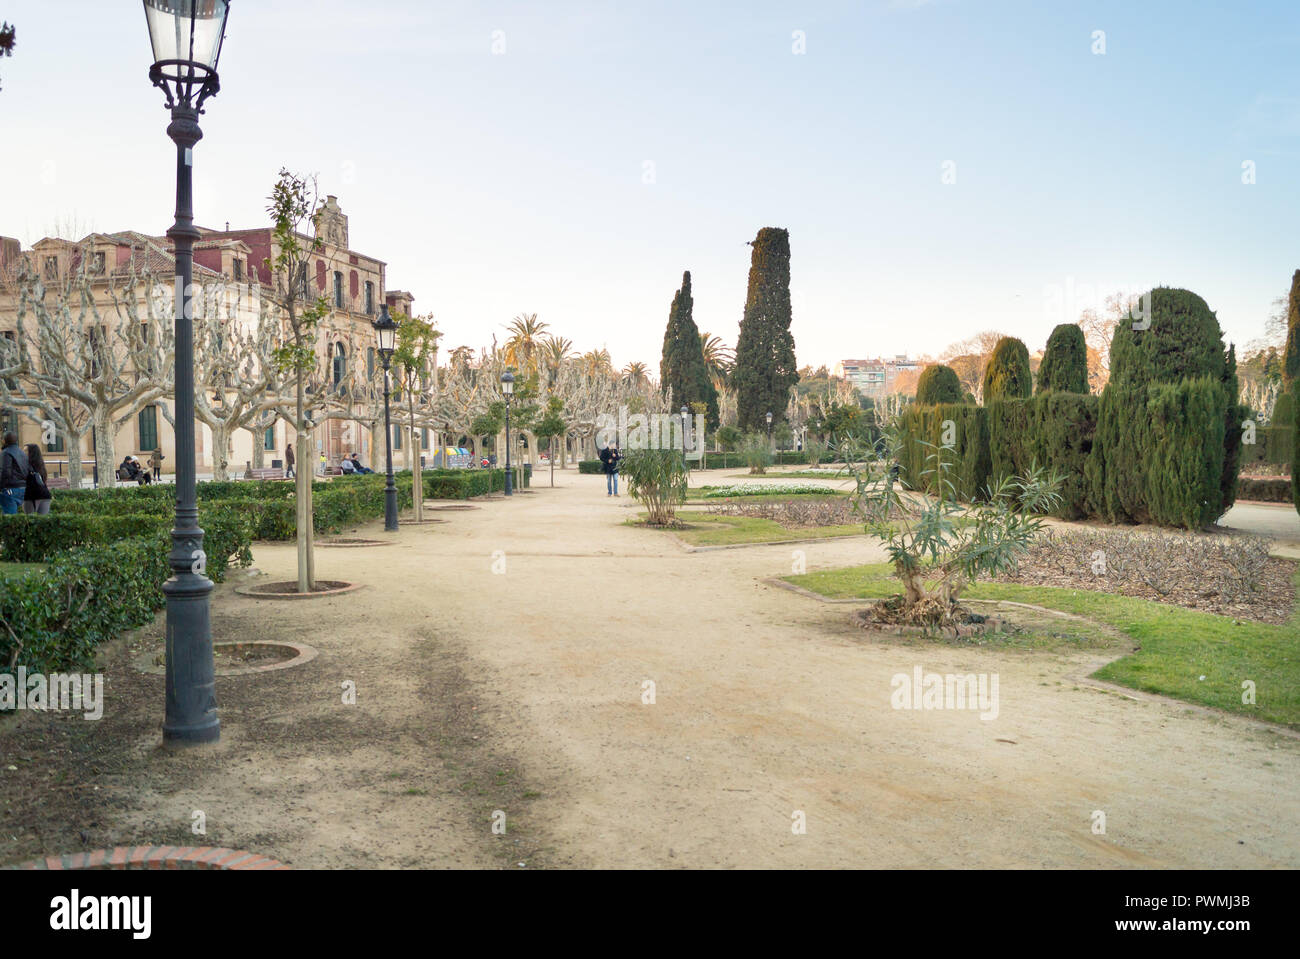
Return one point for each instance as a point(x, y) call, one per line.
point(768, 704)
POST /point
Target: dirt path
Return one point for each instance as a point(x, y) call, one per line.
point(766, 704)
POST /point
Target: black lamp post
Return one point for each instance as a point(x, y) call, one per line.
point(186, 36)
point(386, 333)
point(769, 430)
point(507, 390)
point(686, 430)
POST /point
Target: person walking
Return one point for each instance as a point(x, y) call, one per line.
point(288, 458)
point(155, 463)
point(38, 491)
point(609, 458)
point(13, 475)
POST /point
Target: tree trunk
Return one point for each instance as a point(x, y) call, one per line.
point(72, 442)
point(220, 450)
point(259, 454)
point(417, 498)
point(105, 450)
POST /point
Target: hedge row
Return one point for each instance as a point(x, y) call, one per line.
point(1272, 445)
point(1171, 460)
point(271, 508)
point(1264, 490)
point(52, 620)
point(981, 445)
point(721, 461)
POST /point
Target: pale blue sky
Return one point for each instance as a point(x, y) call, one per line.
point(499, 183)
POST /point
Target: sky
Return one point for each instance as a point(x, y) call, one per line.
point(943, 166)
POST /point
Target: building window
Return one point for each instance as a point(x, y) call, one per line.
point(268, 440)
point(97, 263)
point(353, 284)
point(397, 437)
point(338, 289)
point(57, 445)
point(9, 419)
point(340, 364)
point(239, 270)
point(148, 428)
point(51, 268)
point(370, 363)
point(370, 298)
point(424, 439)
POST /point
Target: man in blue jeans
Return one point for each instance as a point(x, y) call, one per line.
point(609, 457)
point(13, 475)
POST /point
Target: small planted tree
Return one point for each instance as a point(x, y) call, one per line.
point(757, 454)
point(937, 546)
point(549, 427)
point(658, 479)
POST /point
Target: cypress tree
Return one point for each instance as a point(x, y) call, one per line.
point(681, 367)
point(938, 384)
point(1007, 376)
point(765, 365)
point(1291, 358)
point(1065, 362)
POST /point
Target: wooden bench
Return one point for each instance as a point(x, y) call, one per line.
point(58, 482)
point(266, 474)
point(333, 471)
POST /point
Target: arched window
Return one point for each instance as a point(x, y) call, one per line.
point(340, 363)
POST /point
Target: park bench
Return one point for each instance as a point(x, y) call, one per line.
point(333, 471)
point(58, 482)
point(266, 474)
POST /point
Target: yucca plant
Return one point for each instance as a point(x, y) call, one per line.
point(658, 478)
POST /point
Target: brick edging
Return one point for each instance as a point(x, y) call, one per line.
point(156, 857)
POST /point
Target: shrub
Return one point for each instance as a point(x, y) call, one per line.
point(1065, 362)
point(1007, 376)
point(658, 478)
point(1181, 339)
point(938, 384)
point(1186, 452)
point(1011, 446)
point(922, 428)
point(1061, 429)
point(1284, 411)
point(729, 437)
point(591, 466)
point(1264, 490)
point(756, 453)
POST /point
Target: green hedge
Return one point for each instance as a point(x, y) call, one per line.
point(1265, 490)
point(1272, 446)
point(1053, 430)
point(90, 594)
point(591, 466)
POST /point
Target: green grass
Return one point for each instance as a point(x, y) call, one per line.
point(704, 529)
point(800, 474)
point(8, 570)
point(1176, 646)
point(696, 496)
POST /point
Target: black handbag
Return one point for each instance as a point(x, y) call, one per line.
point(36, 488)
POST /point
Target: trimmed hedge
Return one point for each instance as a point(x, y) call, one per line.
point(91, 594)
point(1264, 490)
point(1272, 445)
point(969, 456)
point(938, 384)
point(590, 466)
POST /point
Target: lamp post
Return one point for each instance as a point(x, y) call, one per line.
point(386, 334)
point(507, 390)
point(769, 430)
point(186, 37)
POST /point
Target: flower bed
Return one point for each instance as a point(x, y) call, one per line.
point(765, 489)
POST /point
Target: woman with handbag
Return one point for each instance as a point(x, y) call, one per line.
point(38, 495)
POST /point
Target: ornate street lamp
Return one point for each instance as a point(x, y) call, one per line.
point(769, 430)
point(186, 36)
point(386, 335)
point(507, 390)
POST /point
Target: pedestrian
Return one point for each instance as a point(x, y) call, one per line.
point(288, 458)
point(155, 463)
point(38, 492)
point(609, 458)
point(324, 463)
point(13, 475)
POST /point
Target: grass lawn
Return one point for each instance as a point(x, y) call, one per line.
point(8, 570)
point(1176, 646)
point(704, 529)
point(801, 474)
point(697, 496)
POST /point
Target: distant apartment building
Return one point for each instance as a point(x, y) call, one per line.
point(875, 378)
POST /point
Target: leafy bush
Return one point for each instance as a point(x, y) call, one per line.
point(757, 453)
point(52, 620)
point(1065, 362)
point(938, 384)
point(1264, 490)
point(658, 478)
point(591, 466)
point(1007, 376)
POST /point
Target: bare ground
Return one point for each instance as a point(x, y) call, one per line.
point(766, 703)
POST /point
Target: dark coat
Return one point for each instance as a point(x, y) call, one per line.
point(610, 457)
point(13, 468)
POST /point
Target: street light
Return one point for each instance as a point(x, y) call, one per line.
point(386, 334)
point(507, 390)
point(186, 37)
point(769, 429)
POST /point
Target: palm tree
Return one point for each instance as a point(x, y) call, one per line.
point(718, 357)
point(555, 352)
point(524, 342)
point(636, 374)
point(597, 362)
